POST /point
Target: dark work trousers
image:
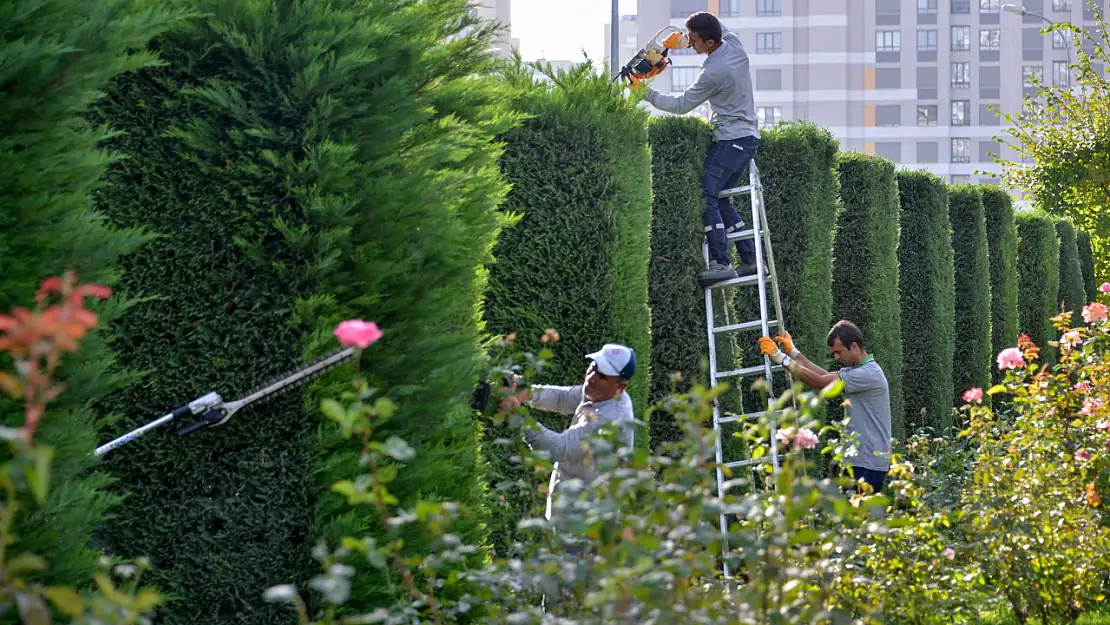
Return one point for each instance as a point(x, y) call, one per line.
point(871, 476)
point(726, 167)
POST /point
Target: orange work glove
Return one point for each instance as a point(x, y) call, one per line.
point(787, 343)
point(767, 347)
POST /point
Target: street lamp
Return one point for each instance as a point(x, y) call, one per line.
point(1016, 10)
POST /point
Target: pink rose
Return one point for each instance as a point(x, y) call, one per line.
point(806, 439)
point(1010, 357)
point(1082, 385)
point(973, 395)
point(357, 333)
point(948, 553)
point(1091, 407)
point(1082, 454)
point(1103, 426)
point(1104, 287)
point(1070, 339)
point(1094, 312)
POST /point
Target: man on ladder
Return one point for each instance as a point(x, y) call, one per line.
point(725, 81)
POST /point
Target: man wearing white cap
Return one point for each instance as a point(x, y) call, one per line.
point(600, 399)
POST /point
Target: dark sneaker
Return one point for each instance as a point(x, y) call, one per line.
point(717, 272)
point(748, 269)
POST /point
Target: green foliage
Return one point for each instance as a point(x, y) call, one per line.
point(1038, 276)
point(56, 59)
point(1087, 264)
point(1061, 140)
point(678, 331)
point(972, 357)
point(865, 271)
point(302, 167)
point(927, 282)
point(577, 259)
point(1002, 248)
point(1071, 295)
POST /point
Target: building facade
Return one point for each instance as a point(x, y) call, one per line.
point(920, 82)
point(500, 12)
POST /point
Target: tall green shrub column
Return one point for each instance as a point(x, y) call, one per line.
point(865, 269)
point(1071, 293)
point(971, 358)
point(1038, 278)
point(57, 59)
point(1002, 252)
point(1087, 264)
point(925, 260)
point(577, 261)
point(678, 324)
point(301, 169)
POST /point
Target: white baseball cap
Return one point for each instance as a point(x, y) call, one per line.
point(615, 359)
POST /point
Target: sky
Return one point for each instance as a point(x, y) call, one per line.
point(558, 30)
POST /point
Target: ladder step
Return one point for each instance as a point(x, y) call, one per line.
point(746, 371)
point(730, 418)
point(741, 234)
point(748, 463)
point(735, 191)
point(747, 325)
point(741, 281)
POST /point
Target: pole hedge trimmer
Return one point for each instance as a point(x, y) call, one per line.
point(213, 411)
point(652, 59)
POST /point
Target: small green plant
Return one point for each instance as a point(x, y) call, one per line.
point(37, 341)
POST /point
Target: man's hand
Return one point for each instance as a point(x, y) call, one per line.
point(767, 347)
point(787, 343)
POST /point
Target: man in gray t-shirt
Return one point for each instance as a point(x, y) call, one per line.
point(865, 389)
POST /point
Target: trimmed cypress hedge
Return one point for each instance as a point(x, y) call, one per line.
point(678, 330)
point(971, 358)
point(865, 269)
point(577, 259)
point(57, 59)
point(1038, 278)
point(1002, 252)
point(1071, 293)
point(1087, 264)
point(302, 169)
point(927, 284)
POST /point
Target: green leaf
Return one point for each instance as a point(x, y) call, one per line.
point(26, 562)
point(66, 600)
point(333, 410)
point(996, 389)
point(833, 389)
point(38, 476)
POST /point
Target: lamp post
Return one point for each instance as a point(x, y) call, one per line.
point(1016, 10)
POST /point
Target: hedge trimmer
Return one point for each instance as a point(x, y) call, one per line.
point(652, 58)
point(213, 411)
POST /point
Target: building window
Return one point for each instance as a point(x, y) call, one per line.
point(961, 38)
point(768, 8)
point(960, 178)
point(990, 39)
point(961, 6)
point(926, 114)
point(768, 115)
point(1060, 74)
point(730, 8)
point(961, 75)
point(768, 43)
point(961, 150)
point(926, 6)
point(961, 112)
point(683, 77)
point(990, 6)
point(1032, 75)
point(888, 40)
point(927, 40)
point(1059, 41)
point(1061, 5)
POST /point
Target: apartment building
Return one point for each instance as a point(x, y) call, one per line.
point(914, 81)
point(500, 11)
point(627, 39)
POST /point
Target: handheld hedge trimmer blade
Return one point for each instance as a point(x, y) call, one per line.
point(214, 412)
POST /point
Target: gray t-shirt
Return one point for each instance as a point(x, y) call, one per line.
point(865, 386)
point(726, 82)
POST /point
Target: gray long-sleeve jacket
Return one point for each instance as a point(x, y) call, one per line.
point(726, 82)
point(567, 448)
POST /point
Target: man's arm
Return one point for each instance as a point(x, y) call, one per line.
point(569, 445)
point(703, 88)
point(798, 365)
point(560, 399)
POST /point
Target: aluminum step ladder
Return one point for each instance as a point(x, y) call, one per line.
point(764, 256)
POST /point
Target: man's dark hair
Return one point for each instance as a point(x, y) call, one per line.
point(847, 332)
point(705, 25)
